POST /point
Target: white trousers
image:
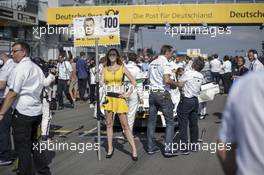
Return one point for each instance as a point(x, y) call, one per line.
point(175, 98)
point(46, 118)
point(202, 108)
point(132, 109)
point(54, 91)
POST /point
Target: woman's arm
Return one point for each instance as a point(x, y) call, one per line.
point(132, 80)
point(101, 77)
point(129, 76)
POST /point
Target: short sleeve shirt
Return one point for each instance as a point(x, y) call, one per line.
point(193, 81)
point(157, 69)
point(27, 80)
point(64, 70)
point(5, 72)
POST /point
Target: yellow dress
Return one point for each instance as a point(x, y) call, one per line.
point(114, 78)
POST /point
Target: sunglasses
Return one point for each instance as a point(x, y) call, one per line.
point(112, 54)
point(14, 51)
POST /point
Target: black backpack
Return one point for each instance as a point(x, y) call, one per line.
point(44, 66)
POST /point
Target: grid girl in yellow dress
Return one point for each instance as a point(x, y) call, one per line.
point(115, 102)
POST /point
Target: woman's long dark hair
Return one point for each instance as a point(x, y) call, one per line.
point(118, 60)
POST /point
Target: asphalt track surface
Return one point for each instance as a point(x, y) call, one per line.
point(76, 161)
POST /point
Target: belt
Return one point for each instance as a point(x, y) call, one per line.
point(158, 90)
point(18, 113)
point(113, 94)
point(190, 97)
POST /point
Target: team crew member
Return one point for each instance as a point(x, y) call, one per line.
point(92, 83)
point(207, 78)
point(188, 107)
point(25, 85)
point(175, 93)
point(240, 70)
point(255, 64)
point(47, 115)
point(83, 75)
point(215, 67)
point(160, 99)
point(5, 141)
point(241, 130)
point(115, 102)
point(137, 94)
point(64, 69)
point(227, 77)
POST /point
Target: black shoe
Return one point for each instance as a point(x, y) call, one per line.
point(171, 154)
point(134, 158)
point(153, 151)
point(60, 108)
point(108, 156)
point(184, 152)
point(43, 138)
point(195, 147)
point(72, 106)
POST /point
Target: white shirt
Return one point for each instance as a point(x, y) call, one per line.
point(133, 69)
point(5, 72)
point(180, 64)
point(175, 93)
point(93, 75)
point(193, 81)
point(188, 66)
point(206, 66)
point(64, 70)
point(27, 80)
point(215, 65)
point(174, 68)
point(255, 66)
point(47, 90)
point(243, 123)
point(157, 69)
point(227, 66)
point(174, 65)
point(136, 74)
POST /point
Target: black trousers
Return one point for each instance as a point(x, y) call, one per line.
point(187, 111)
point(92, 93)
point(82, 84)
point(5, 137)
point(63, 87)
point(227, 81)
point(25, 134)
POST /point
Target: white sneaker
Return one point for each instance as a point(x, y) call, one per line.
point(91, 105)
point(2, 163)
point(202, 117)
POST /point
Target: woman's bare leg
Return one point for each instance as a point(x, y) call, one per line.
point(109, 130)
point(128, 133)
